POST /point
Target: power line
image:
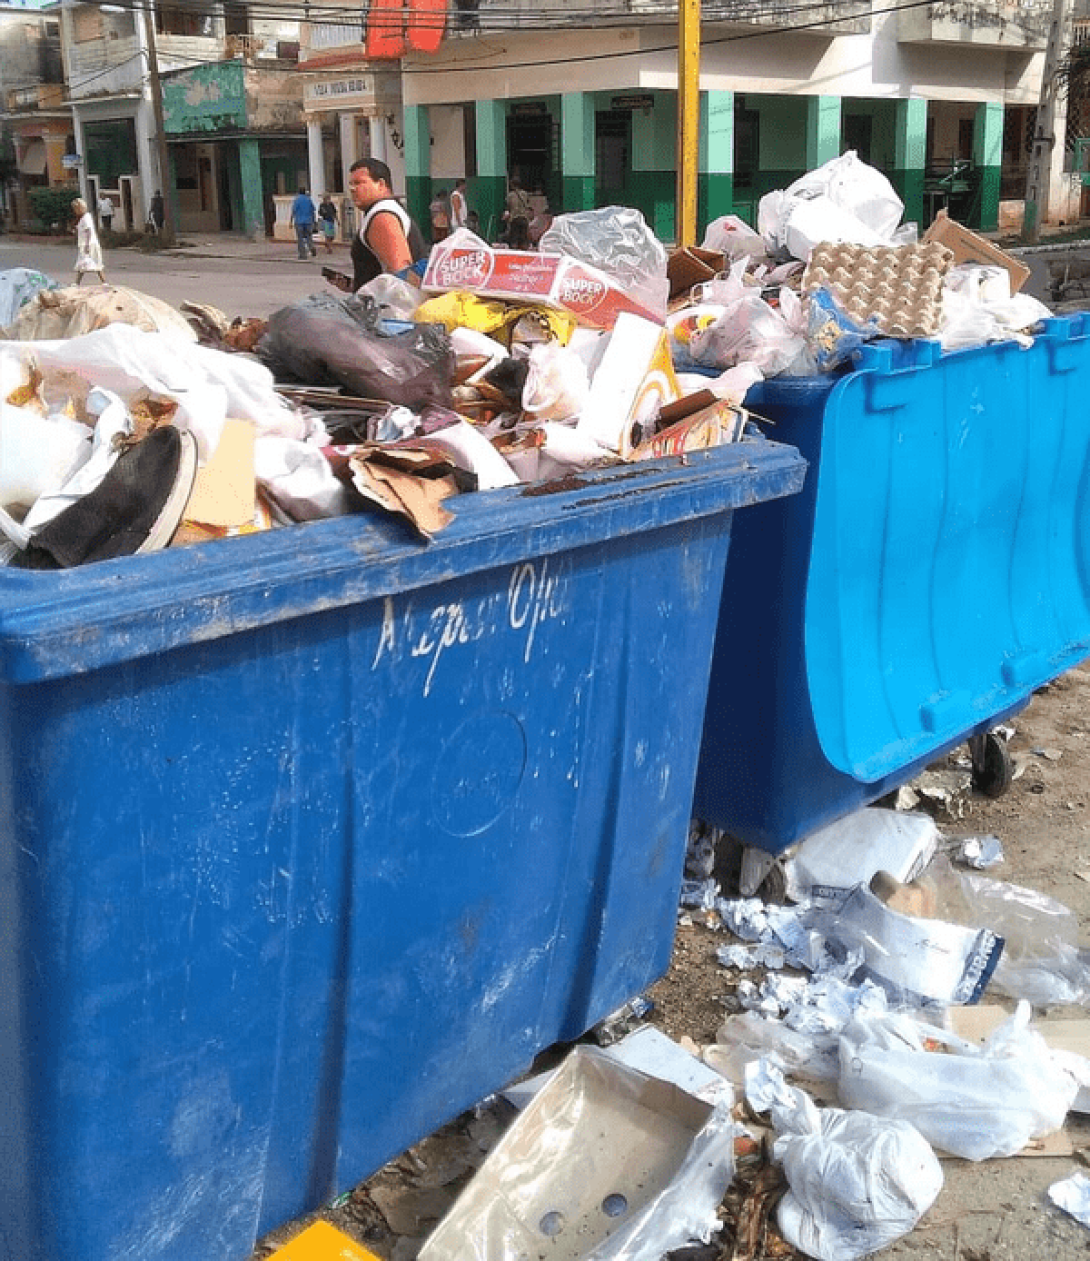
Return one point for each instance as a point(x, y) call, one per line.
point(584, 58)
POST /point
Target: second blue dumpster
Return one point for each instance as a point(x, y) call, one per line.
point(312, 839)
point(933, 573)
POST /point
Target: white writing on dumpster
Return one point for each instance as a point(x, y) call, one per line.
point(535, 594)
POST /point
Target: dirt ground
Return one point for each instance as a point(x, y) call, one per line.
point(996, 1210)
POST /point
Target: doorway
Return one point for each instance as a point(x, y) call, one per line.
point(612, 156)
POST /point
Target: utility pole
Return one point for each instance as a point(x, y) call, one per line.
point(1044, 137)
point(688, 118)
point(167, 233)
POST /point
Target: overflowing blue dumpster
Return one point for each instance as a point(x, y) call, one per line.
point(932, 573)
point(312, 839)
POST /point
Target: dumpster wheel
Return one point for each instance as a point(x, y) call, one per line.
point(992, 771)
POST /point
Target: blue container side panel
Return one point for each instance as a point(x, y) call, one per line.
point(947, 575)
point(279, 902)
point(930, 575)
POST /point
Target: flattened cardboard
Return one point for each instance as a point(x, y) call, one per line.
point(224, 493)
point(968, 247)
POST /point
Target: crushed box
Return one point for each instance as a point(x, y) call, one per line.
point(553, 280)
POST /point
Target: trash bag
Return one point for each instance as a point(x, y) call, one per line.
point(330, 340)
point(56, 314)
point(617, 240)
point(972, 1103)
point(18, 285)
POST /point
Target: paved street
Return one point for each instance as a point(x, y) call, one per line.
point(239, 277)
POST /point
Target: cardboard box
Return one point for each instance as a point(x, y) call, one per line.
point(322, 1242)
point(524, 276)
point(968, 247)
point(589, 1160)
point(633, 381)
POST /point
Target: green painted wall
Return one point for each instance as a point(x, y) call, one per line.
point(252, 219)
point(988, 159)
point(418, 165)
point(823, 129)
point(490, 186)
point(910, 156)
point(783, 132)
point(205, 99)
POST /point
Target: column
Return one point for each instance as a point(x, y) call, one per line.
point(418, 165)
point(910, 156)
point(822, 130)
point(315, 157)
point(716, 158)
point(347, 124)
point(654, 169)
point(376, 135)
point(577, 150)
point(491, 183)
point(988, 161)
point(253, 193)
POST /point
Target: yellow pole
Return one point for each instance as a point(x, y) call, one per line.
point(688, 118)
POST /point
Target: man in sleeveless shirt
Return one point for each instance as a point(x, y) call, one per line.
point(388, 240)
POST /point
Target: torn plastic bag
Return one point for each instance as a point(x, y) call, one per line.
point(391, 297)
point(733, 237)
point(1041, 961)
point(968, 1102)
point(844, 200)
point(617, 240)
point(52, 314)
point(606, 1163)
point(208, 385)
point(556, 385)
point(37, 454)
point(917, 961)
point(856, 1182)
point(18, 285)
point(327, 339)
point(751, 331)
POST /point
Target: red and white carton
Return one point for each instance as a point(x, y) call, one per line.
point(464, 262)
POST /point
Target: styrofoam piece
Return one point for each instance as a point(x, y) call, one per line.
point(847, 853)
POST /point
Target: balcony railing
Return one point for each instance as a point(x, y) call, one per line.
point(1011, 24)
point(840, 17)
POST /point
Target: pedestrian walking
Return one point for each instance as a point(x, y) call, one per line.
point(88, 249)
point(388, 240)
point(440, 216)
point(459, 206)
point(327, 214)
point(105, 213)
point(157, 212)
point(303, 217)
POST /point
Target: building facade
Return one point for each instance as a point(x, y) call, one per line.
point(942, 98)
point(38, 143)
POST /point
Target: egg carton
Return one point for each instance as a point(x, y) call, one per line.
point(896, 288)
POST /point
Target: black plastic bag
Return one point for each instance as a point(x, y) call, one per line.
point(327, 339)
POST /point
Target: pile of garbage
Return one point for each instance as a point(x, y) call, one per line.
point(505, 368)
point(889, 1008)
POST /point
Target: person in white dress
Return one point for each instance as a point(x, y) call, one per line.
point(88, 250)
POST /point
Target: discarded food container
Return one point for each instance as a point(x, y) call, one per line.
point(930, 576)
point(313, 838)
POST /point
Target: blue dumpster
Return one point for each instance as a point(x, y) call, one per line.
point(312, 839)
point(932, 573)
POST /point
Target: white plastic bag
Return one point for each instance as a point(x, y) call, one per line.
point(394, 298)
point(37, 454)
point(845, 200)
point(856, 1183)
point(749, 331)
point(734, 237)
point(556, 385)
point(971, 1103)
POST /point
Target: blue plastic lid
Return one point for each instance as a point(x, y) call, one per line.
point(949, 570)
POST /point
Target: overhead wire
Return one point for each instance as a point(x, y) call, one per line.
point(276, 9)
